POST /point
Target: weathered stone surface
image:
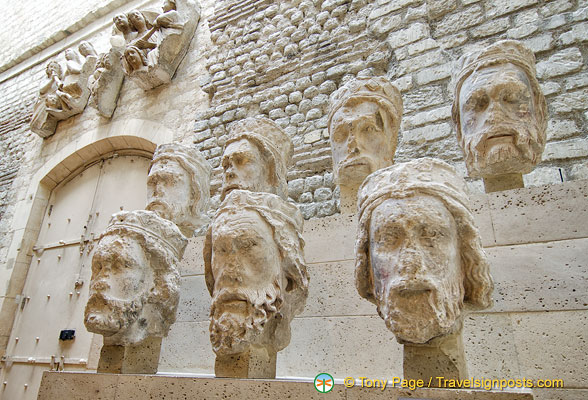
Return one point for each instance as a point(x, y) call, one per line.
point(496, 143)
point(142, 250)
point(154, 45)
point(557, 339)
point(256, 156)
point(561, 63)
point(394, 204)
point(539, 277)
point(103, 387)
point(255, 271)
point(403, 37)
point(364, 119)
point(179, 186)
point(64, 93)
point(105, 83)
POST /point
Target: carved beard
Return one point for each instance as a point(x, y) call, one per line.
point(108, 317)
point(239, 317)
point(164, 209)
point(504, 158)
point(417, 316)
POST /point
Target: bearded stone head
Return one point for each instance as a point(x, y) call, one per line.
point(419, 256)
point(178, 186)
point(134, 290)
point(499, 110)
point(363, 122)
point(255, 272)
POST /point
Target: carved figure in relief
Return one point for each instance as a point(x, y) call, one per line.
point(418, 252)
point(134, 291)
point(179, 186)
point(363, 122)
point(499, 110)
point(153, 44)
point(255, 272)
point(256, 157)
point(105, 83)
point(64, 94)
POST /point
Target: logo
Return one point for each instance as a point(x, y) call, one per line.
point(323, 383)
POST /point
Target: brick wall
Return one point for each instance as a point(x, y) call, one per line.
point(33, 25)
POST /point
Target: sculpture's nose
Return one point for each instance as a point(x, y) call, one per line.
point(411, 262)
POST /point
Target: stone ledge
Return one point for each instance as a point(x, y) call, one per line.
point(110, 387)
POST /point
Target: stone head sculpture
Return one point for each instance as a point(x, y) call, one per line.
point(86, 49)
point(134, 291)
point(499, 111)
point(133, 59)
point(122, 23)
point(178, 186)
point(53, 68)
point(363, 123)
point(256, 157)
point(418, 253)
point(255, 272)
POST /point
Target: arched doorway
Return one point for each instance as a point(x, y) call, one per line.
point(56, 287)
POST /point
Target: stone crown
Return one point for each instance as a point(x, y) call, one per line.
point(148, 224)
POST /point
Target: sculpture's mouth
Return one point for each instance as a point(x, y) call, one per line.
point(412, 289)
point(407, 293)
point(501, 138)
point(354, 162)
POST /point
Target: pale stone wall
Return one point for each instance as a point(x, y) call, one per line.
point(283, 60)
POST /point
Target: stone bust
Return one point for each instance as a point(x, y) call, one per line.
point(499, 110)
point(256, 157)
point(178, 186)
point(363, 123)
point(255, 272)
point(419, 256)
point(135, 285)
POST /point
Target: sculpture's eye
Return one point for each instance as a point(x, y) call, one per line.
point(482, 103)
point(225, 163)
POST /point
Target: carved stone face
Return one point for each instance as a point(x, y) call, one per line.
point(245, 168)
point(360, 140)
point(69, 54)
point(121, 279)
point(169, 190)
point(499, 128)
point(248, 279)
point(137, 20)
point(121, 22)
point(415, 260)
point(134, 58)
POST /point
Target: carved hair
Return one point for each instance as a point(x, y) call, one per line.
point(426, 176)
point(57, 65)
